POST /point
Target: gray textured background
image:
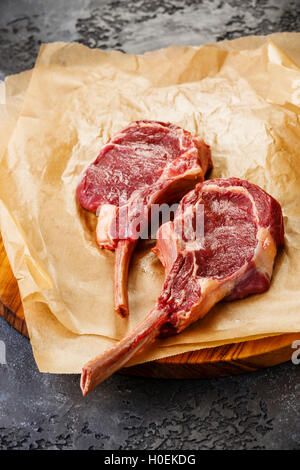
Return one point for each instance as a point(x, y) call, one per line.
point(254, 411)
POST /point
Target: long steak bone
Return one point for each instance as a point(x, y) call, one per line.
point(243, 229)
point(147, 163)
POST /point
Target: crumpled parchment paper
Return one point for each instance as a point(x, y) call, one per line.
point(242, 97)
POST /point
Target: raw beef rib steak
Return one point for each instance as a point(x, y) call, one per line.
point(147, 163)
point(243, 229)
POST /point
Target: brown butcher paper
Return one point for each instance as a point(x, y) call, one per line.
point(242, 97)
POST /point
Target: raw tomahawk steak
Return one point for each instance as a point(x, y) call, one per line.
point(147, 163)
point(243, 229)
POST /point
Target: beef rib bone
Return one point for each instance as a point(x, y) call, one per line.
point(147, 163)
point(243, 229)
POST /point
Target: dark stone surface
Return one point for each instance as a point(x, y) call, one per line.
point(41, 411)
point(133, 26)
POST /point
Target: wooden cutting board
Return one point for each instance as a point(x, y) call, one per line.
point(213, 362)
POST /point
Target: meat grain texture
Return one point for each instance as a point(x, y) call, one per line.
point(147, 163)
point(243, 230)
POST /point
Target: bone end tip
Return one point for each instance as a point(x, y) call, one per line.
point(122, 310)
point(84, 382)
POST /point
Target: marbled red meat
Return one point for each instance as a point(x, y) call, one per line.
point(147, 163)
point(243, 229)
